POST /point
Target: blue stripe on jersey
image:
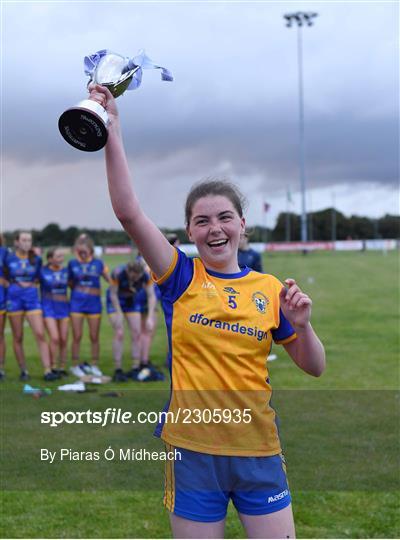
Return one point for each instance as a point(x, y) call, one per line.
point(285, 329)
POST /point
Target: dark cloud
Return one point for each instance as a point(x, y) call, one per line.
point(233, 105)
point(339, 146)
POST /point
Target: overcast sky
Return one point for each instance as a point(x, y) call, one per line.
point(232, 110)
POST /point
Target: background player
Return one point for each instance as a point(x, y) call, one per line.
point(22, 269)
point(133, 291)
point(3, 297)
point(248, 256)
point(84, 276)
point(55, 306)
point(201, 360)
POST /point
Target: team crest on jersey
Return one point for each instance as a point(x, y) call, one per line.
point(260, 301)
point(231, 290)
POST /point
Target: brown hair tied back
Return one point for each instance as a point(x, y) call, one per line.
point(31, 252)
point(137, 267)
point(211, 186)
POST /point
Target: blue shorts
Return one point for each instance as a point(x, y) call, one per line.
point(85, 304)
point(55, 310)
point(132, 304)
point(3, 299)
point(20, 300)
point(199, 486)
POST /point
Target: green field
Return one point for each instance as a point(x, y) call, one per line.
point(340, 432)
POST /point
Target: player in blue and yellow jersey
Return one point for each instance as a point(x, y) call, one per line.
point(3, 296)
point(132, 291)
point(221, 321)
point(22, 269)
point(55, 306)
point(248, 256)
point(84, 275)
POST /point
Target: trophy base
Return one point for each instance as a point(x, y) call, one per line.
point(85, 126)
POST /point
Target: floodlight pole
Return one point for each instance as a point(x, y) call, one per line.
point(304, 236)
point(301, 18)
point(333, 218)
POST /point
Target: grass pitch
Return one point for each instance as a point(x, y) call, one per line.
point(340, 432)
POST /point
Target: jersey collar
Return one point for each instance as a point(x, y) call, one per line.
point(243, 272)
point(23, 256)
point(89, 260)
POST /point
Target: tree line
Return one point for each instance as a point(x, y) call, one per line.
point(325, 225)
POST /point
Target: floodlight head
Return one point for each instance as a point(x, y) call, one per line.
point(298, 19)
point(288, 20)
point(309, 16)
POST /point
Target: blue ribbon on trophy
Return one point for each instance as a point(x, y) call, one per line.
point(120, 73)
point(85, 125)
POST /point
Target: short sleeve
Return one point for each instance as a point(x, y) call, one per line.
point(177, 278)
point(285, 332)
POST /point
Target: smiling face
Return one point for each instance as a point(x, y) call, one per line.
point(215, 227)
point(83, 252)
point(57, 259)
point(24, 242)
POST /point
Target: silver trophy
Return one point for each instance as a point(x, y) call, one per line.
point(84, 126)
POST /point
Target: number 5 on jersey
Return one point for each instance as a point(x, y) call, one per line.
point(232, 302)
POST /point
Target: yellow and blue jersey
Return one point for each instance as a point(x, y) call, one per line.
point(54, 292)
point(132, 296)
point(85, 282)
point(3, 281)
point(20, 270)
point(220, 330)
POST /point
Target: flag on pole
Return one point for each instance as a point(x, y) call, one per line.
point(266, 207)
point(289, 196)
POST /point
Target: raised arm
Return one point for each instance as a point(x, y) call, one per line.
point(150, 241)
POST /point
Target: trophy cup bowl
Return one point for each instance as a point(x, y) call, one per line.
point(84, 126)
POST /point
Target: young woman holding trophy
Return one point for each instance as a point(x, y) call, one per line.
point(206, 300)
